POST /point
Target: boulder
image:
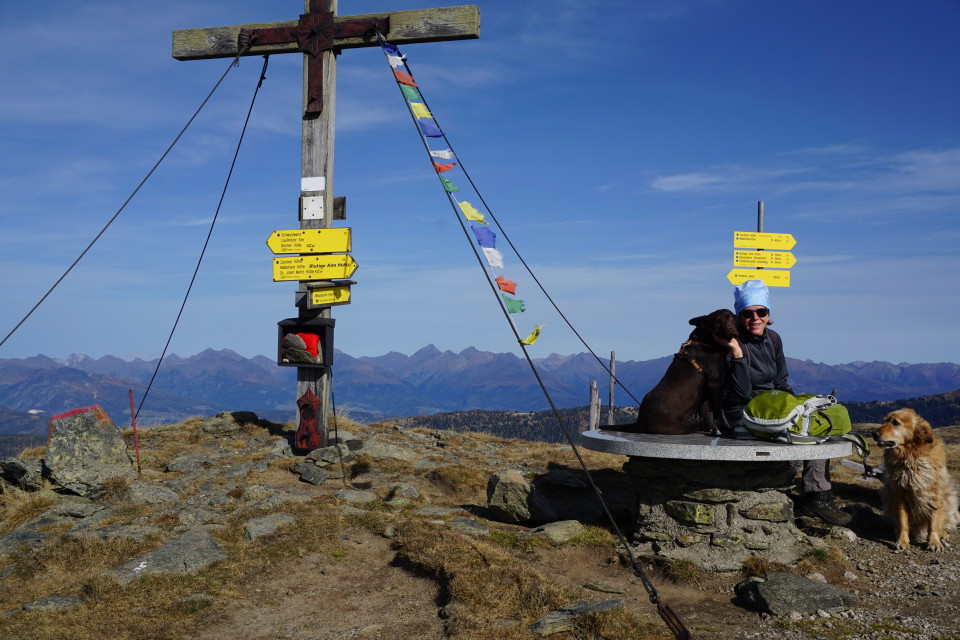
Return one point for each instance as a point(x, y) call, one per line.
point(511, 499)
point(784, 593)
point(25, 474)
point(85, 450)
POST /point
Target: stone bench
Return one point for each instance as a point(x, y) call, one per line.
point(714, 501)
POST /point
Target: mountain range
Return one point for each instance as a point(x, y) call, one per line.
point(367, 388)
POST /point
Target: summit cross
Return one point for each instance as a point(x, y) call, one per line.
point(320, 35)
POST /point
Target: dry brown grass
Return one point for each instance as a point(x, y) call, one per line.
point(159, 606)
point(485, 583)
point(759, 567)
point(460, 478)
point(17, 507)
point(33, 453)
point(830, 561)
point(618, 624)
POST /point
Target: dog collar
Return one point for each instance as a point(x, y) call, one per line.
point(683, 355)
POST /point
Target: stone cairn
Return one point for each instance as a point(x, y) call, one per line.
point(715, 513)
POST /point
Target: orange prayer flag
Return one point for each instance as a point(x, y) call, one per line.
point(404, 78)
point(507, 285)
point(443, 167)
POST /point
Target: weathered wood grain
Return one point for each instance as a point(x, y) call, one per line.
point(406, 27)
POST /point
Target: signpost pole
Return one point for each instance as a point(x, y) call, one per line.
point(316, 161)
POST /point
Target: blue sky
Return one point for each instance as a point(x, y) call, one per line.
point(619, 143)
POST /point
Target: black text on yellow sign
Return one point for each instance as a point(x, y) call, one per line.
point(770, 259)
point(772, 278)
point(336, 240)
point(313, 267)
point(329, 297)
point(755, 240)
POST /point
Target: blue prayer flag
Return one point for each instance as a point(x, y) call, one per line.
point(486, 238)
point(429, 128)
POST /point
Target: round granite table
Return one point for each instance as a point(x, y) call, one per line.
point(711, 500)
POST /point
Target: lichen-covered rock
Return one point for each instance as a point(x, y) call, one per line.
point(690, 513)
point(85, 450)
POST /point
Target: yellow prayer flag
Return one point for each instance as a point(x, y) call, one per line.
point(530, 339)
point(471, 213)
point(420, 110)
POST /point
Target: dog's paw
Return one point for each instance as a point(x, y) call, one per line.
point(936, 545)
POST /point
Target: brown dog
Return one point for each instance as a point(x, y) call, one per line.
point(920, 496)
point(689, 396)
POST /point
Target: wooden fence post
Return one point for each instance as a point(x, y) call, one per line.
point(594, 406)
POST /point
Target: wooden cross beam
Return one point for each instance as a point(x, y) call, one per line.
point(320, 30)
point(320, 35)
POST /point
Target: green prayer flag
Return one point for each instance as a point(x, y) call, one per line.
point(448, 185)
point(410, 93)
point(514, 305)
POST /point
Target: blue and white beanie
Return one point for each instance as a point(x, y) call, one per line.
point(750, 293)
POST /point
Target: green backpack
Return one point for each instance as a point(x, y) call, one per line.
point(801, 419)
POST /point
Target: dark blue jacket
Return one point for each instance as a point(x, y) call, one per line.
point(762, 367)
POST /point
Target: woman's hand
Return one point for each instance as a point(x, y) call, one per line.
point(734, 346)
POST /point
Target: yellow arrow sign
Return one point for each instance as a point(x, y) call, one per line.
point(321, 267)
point(770, 277)
point(310, 241)
point(754, 240)
point(775, 259)
point(329, 296)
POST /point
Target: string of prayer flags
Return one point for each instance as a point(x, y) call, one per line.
point(506, 285)
point(530, 339)
point(514, 305)
point(470, 212)
point(486, 237)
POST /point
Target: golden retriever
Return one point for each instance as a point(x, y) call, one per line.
point(920, 495)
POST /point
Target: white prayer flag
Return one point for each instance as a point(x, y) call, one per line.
point(494, 257)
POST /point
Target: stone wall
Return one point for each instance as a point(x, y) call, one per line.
point(716, 514)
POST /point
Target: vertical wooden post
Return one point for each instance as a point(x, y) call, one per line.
point(611, 419)
point(594, 421)
point(317, 162)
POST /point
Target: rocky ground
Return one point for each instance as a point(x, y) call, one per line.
point(239, 486)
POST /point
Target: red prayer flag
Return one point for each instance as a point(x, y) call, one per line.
point(443, 167)
point(404, 78)
point(506, 285)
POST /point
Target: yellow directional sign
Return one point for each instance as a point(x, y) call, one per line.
point(314, 267)
point(774, 259)
point(755, 240)
point(769, 276)
point(329, 296)
point(336, 240)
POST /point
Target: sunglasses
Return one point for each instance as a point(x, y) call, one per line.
point(746, 314)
